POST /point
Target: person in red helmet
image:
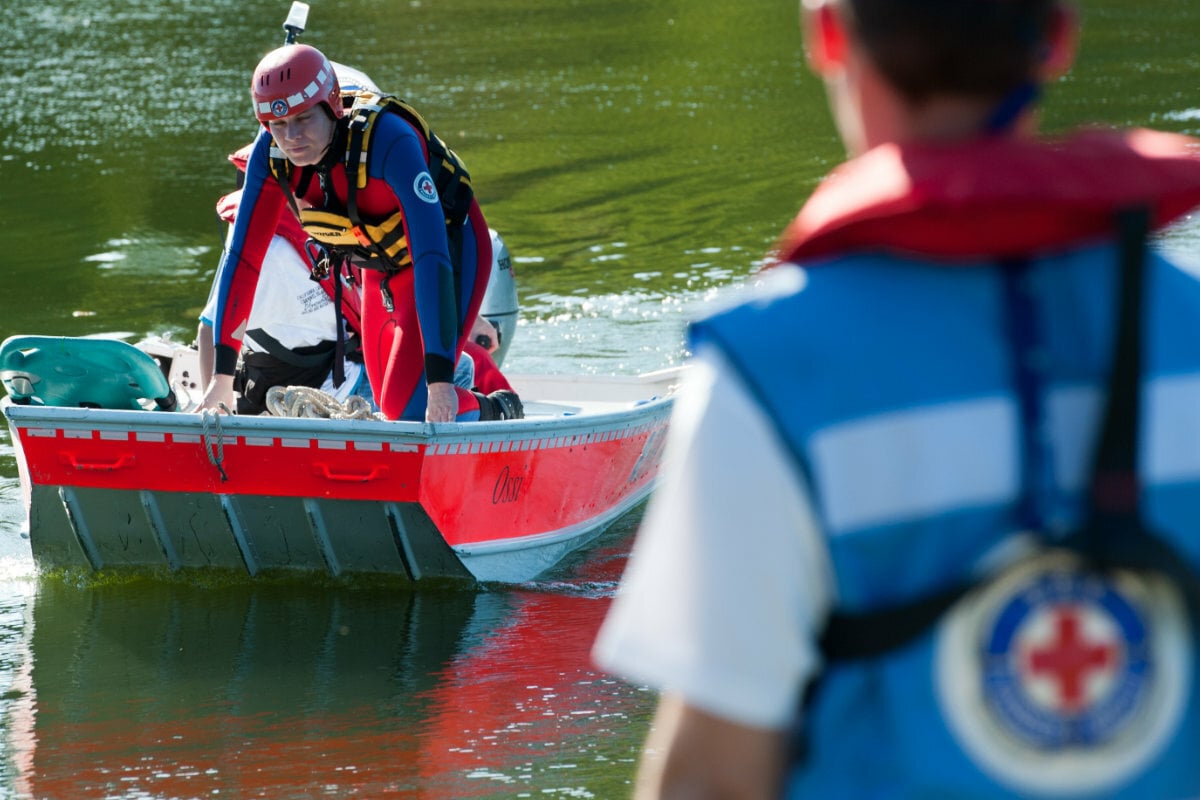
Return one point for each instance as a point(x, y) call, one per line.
point(404, 213)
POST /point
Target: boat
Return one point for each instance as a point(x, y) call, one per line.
point(122, 474)
point(115, 481)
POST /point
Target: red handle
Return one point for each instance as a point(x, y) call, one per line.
point(325, 472)
point(125, 460)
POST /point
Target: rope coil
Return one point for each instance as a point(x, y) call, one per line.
point(216, 454)
point(305, 401)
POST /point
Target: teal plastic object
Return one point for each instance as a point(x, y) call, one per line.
point(87, 373)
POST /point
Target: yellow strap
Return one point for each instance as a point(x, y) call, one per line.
point(328, 227)
point(335, 229)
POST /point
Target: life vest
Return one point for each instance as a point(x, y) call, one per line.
point(378, 244)
point(924, 681)
point(930, 200)
point(850, 405)
point(951, 204)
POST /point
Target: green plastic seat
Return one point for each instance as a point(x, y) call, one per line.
point(79, 372)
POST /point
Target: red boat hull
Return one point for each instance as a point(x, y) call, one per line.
point(113, 489)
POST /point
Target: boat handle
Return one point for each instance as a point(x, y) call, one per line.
point(124, 460)
point(325, 472)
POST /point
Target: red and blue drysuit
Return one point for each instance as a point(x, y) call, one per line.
point(419, 341)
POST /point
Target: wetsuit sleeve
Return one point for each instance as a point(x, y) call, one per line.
point(237, 276)
point(403, 167)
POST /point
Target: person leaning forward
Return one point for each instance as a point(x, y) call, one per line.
point(962, 548)
point(407, 217)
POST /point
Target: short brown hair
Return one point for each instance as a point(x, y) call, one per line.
point(983, 48)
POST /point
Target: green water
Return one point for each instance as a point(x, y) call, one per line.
point(632, 154)
point(639, 158)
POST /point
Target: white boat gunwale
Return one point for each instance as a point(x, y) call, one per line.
point(631, 407)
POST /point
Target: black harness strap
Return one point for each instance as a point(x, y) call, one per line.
point(850, 637)
point(1113, 491)
point(1113, 533)
point(281, 169)
point(357, 131)
point(339, 345)
point(308, 357)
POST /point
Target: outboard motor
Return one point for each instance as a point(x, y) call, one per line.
point(500, 301)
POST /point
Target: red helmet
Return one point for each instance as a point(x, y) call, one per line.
point(291, 80)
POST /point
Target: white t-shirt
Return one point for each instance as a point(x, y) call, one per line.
point(292, 308)
point(288, 304)
point(729, 580)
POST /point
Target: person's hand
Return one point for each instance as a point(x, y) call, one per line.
point(443, 403)
point(218, 394)
point(485, 334)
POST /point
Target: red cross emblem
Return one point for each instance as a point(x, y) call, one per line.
point(1069, 658)
point(1066, 660)
point(424, 187)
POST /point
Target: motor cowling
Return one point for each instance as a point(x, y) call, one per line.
point(500, 301)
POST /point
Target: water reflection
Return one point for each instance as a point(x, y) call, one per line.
point(250, 691)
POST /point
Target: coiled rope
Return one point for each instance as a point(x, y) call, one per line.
point(215, 452)
point(305, 401)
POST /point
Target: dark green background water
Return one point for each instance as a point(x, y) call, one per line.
point(638, 156)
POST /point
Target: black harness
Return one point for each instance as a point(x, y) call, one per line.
point(1113, 534)
point(340, 239)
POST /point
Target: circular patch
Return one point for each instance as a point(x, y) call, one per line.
point(1054, 678)
point(279, 108)
point(424, 188)
point(1065, 662)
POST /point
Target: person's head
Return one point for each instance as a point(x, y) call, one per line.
point(297, 98)
point(353, 82)
point(954, 56)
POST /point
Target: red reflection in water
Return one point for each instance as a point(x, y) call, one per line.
point(181, 692)
point(526, 700)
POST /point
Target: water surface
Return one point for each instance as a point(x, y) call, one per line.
point(639, 158)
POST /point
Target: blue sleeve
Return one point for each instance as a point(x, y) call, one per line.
point(403, 167)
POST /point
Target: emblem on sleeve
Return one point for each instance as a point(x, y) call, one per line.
point(1052, 674)
point(425, 189)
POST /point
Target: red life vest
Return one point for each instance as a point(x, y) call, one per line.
point(995, 196)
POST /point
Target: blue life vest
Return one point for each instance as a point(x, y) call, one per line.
point(894, 383)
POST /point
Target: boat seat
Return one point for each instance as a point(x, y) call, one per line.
point(83, 373)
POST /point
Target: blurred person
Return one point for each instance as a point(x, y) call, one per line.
point(927, 520)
